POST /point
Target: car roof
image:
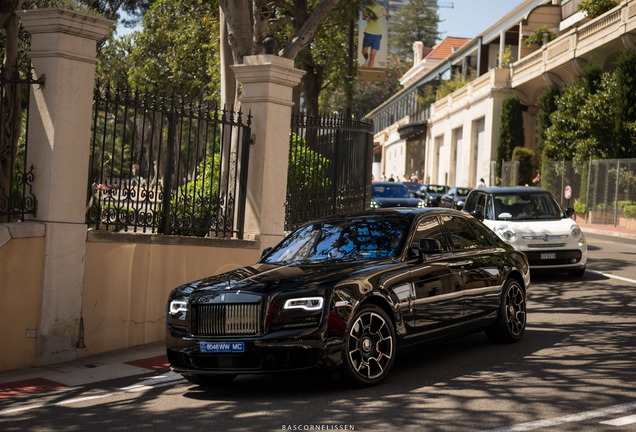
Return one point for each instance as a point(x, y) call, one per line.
point(386, 183)
point(508, 189)
point(409, 213)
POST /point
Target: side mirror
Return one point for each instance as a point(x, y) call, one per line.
point(429, 246)
point(569, 212)
point(477, 214)
point(266, 251)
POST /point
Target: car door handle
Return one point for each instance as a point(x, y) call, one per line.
point(460, 264)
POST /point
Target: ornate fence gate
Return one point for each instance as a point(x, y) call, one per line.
point(164, 165)
point(16, 177)
point(329, 167)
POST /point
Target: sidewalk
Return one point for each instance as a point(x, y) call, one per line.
point(609, 230)
point(133, 361)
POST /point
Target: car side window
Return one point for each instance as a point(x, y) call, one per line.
point(476, 202)
point(482, 232)
point(428, 228)
point(461, 236)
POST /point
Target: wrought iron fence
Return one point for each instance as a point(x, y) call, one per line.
point(329, 167)
point(16, 176)
point(160, 164)
point(602, 190)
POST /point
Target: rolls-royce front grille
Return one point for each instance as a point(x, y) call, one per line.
point(226, 319)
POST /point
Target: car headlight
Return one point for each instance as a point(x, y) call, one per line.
point(575, 230)
point(306, 303)
point(374, 204)
point(295, 312)
point(507, 233)
point(177, 313)
point(460, 203)
point(420, 204)
point(177, 306)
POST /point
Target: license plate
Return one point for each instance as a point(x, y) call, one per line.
point(222, 347)
point(546, 256)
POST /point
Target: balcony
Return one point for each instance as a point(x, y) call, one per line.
point(559, 61)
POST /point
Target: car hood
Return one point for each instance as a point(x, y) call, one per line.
point(396, 202)
point(268, 278)
point(534, 227)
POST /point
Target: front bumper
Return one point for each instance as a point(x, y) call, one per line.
point(277, 352)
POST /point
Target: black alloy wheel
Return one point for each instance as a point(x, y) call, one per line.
point(369, 347)
point(511, 320)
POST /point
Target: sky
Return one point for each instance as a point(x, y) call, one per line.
point(468, 18)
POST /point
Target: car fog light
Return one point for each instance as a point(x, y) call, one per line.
point(306, 303)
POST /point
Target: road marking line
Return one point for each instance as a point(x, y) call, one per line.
point(123, 390)
point(611, 276)
point(622, 421)
point(586, 415)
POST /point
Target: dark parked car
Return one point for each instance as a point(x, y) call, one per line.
point(455, 198)
point(533, 222)
point(413, 187)
point(348, 293)
point(392, 194)
point(431, 194)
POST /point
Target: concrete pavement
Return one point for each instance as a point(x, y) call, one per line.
point(133, 361)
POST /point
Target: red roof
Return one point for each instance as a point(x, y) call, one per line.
point(446, 47)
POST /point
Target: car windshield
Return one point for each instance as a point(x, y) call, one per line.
point(462, 191)
point(436, 189)
point(352, 239)
point(390, 191)
point(526, 206)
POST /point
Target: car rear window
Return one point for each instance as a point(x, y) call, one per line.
point(391, 191)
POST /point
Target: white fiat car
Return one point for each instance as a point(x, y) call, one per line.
point(533, 222)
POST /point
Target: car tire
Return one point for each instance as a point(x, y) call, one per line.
point(369, 348)
point(511, 319)
point(210, 380)
point(577, 272)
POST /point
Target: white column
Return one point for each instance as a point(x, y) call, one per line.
point(267, 85)
point(63, 53)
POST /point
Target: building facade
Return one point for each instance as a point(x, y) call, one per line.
point(453, 140)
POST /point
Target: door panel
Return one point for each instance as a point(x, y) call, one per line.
point(437, 286)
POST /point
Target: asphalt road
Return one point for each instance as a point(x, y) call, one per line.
point(575, 370)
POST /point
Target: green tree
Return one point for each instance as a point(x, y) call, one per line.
point(547, 104)
point(511, 132)
point(582, 126)
point(416, 21)
point(539, 36)
point(594, 8)
point(592, 75)
point(526, 157)
point(625, 104)
point(367, 95)
point(190, 70)
point(243, 31)
point(326, 60)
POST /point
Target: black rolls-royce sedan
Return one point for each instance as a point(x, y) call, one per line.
point(349, 292)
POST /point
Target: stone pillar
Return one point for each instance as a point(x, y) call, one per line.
point(267, 85)
point(63, 53)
